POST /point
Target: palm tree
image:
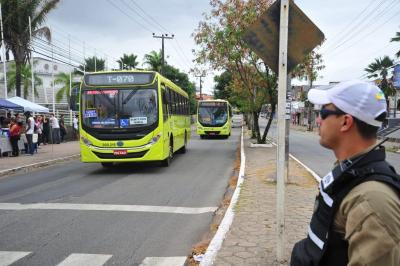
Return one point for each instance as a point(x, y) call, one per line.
point(154, 60)
point(380, 68)
point(65, 80)
point(396, 39)
point(128, 61)
point(92, 64)
point(16, 29)
point(26, 79)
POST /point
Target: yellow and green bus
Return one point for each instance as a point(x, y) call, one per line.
point(132, 116)
point(214, 118)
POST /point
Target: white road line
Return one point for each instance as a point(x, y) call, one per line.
point(105, 207)
point(9, 257)
point(76, 259)
point(163, 261)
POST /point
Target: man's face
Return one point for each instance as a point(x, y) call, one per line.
point(329, 126)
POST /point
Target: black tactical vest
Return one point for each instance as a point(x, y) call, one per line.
point(324, 246)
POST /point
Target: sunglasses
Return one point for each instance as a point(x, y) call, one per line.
point(324, 113)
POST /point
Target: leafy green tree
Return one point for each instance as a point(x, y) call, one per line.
point(26, 79)
point(221, 45)
point(154, 60)
point(222, 89)
point(380, 69)
point(65, 80)
point(92, 64)
point(16, 29)
point(128, 61)
point(396, 39)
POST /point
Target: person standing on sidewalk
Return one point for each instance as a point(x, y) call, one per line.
point(75, 127)
point(356, 219)
point(46, 130)
point(63, 129)
point(30, 126)
point(55, 128)
point(15, 134)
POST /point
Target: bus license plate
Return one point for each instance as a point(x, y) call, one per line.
point(120, 152)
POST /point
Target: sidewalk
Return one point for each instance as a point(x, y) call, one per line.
point(251, 239)
point(47, 154)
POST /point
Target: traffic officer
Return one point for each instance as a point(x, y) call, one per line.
point(356, 219)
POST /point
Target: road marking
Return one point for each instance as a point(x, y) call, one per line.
point(77, 259)
point(163, 261)
point(105, 207)
point(9, 257)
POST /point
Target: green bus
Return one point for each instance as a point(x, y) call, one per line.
point(214, 118)
point(132, 116)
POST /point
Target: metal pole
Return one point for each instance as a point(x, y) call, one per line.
point(201, 76)
point(33, 75)
point(84, 62)
point(281, 164)
point(4, 55)
point(52, 78)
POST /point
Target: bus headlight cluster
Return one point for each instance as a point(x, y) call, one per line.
point(155, 139)
point(86, 141)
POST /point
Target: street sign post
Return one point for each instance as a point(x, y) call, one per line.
point(282, 37)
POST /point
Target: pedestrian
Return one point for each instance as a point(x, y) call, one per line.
point(63, 129)
point(55, 128)
point(15, 135)
point(30, 126)
point(46, 130)
point(356, 219)
point(39, 129)
point(75, 126)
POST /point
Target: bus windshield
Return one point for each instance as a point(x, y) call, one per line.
point(213, 113)
point(119, 108)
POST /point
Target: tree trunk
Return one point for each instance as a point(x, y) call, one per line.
point(256, 129)
point(271, 116)
point(18, 67)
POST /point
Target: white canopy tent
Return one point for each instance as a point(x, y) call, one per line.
point(28, 105)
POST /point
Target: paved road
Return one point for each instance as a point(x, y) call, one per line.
point(305, 146)
point(122, 216)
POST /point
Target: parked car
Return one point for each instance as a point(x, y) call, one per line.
point(237, 120)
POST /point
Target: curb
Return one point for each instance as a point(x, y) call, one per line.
point(36, 165)
point(223, 228)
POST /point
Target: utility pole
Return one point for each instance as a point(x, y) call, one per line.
point(162, 37)
point(3, 48)
point(201, 76)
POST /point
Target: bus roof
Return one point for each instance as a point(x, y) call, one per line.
point(163, 79)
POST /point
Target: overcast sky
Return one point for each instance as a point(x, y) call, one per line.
point(356, 31)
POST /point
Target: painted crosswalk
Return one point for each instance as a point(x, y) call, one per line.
point(9, 257)
point(81, 259)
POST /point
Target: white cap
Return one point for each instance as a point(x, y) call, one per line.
point(360, 99)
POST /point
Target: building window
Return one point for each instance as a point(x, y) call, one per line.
point(55, 67)
point(46, 66)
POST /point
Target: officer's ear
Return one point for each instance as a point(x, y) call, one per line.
point(347, 123)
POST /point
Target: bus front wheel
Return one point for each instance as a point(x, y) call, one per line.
point(167, 161)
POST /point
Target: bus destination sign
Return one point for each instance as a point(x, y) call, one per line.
point(212, 104)
point(109, 79)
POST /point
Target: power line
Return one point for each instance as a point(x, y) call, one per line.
point(369, 33)
point(129, 16)
point(368, 22)
point(351, 27)
point(155, 21)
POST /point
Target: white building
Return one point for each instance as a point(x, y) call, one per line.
point(46, 71)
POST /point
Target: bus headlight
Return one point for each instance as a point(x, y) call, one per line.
point(155, 139)
point(86, 141)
